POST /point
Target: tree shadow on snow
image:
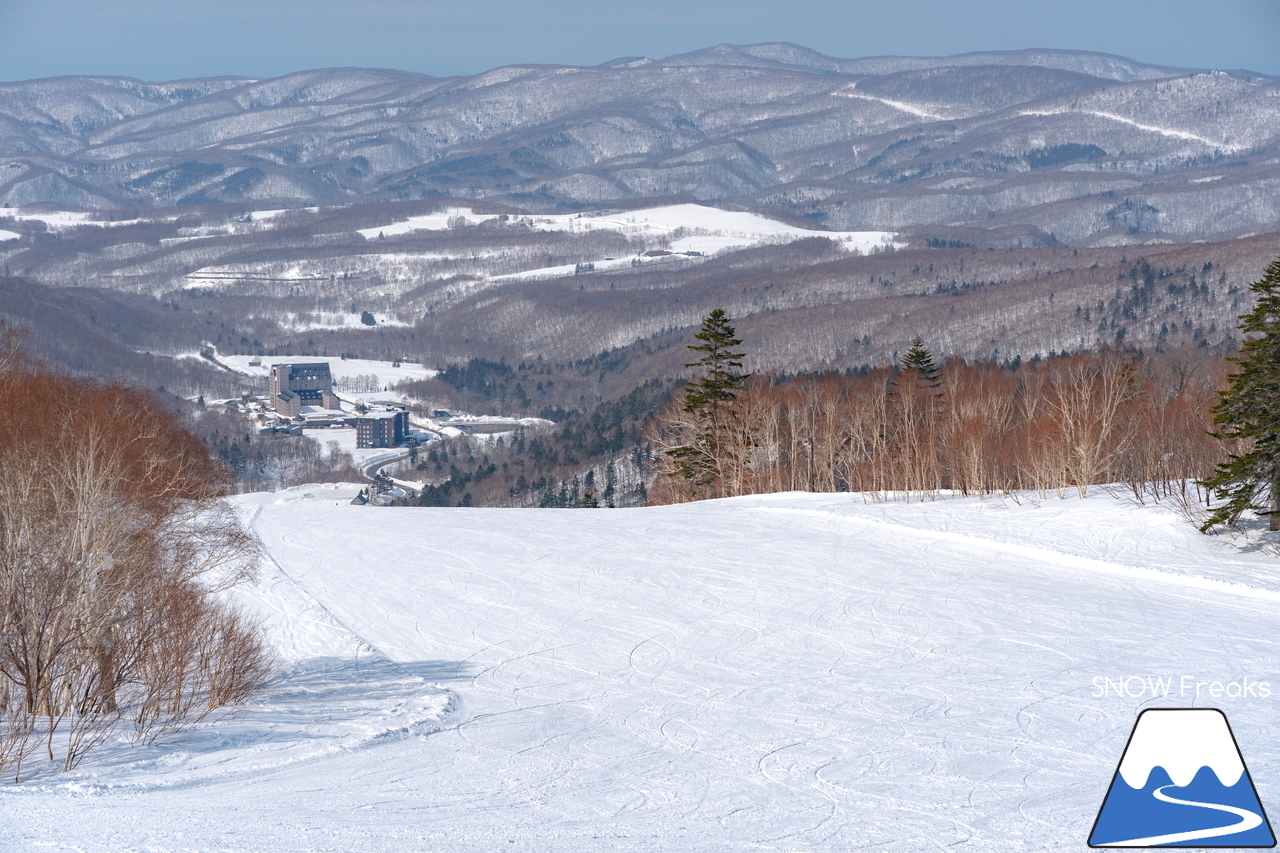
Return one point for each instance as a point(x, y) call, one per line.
point(1251, 536)
point(329, 673)
point(312, 709)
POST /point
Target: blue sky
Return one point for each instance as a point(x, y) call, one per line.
point(171, 39)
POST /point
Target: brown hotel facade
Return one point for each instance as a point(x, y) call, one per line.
point(297, 384)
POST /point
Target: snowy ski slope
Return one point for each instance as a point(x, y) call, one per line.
point(787, 672)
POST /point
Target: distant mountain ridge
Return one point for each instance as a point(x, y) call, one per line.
point(1077, 147)
point(797, 58)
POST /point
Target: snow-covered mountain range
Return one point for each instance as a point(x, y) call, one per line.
point(1076, 144)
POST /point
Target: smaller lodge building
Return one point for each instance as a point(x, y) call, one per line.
point(382, 429)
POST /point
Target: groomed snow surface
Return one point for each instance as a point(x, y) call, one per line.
point(787, 673)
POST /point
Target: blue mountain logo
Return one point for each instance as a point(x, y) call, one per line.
point(1182, 782)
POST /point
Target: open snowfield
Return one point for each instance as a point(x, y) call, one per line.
point(704, 229)
point(57, 219)
point(787, 673)
point(688, 230)
point(346, 440)
point(714, 229)
point(339, 368)
point(336, 320)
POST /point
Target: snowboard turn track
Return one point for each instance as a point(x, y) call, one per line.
point(786, 672)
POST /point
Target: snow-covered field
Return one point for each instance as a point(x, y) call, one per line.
point(690, 231)
point(786, 672)
point(267, 215)
point(427, 222)
point(335, 320)
point(346, 439)
point(702, 229)
point(58, 219)
point(339, 368)
point(688, 228)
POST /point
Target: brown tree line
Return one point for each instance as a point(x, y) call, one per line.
point(113, 535)
point(975, 429)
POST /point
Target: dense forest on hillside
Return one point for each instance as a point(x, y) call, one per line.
point(302, 284)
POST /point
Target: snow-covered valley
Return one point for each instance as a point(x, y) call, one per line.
point(785, 672)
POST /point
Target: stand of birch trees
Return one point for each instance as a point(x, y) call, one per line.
point(1053, 426)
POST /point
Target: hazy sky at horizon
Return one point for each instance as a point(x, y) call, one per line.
point(157, 40)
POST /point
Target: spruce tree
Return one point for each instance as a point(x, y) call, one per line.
point(1249, 413)
point(919, 359)
point(610, 482)
point(707, 394)
point(719, 383)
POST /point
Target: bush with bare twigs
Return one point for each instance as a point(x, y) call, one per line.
point(114, 532)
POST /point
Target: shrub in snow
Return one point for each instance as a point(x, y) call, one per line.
point(113, 533)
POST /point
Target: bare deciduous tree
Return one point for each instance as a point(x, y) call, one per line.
point(1048, 426)
point(114, 532)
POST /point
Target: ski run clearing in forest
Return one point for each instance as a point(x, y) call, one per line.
point(785, 672)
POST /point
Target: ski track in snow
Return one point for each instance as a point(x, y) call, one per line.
point(1163, 131)
point(897, 105)
point(787, 672)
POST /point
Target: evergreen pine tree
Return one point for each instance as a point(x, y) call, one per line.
point(919, 359)
point(1249, 413)
point(610, 481)
point(719, 383)
point(707, 394)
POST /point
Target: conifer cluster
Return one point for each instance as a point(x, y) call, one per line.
point(1248, 415)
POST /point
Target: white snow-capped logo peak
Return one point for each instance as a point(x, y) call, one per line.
point(1181, 741)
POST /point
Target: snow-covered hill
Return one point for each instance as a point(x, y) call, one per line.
point(990, 140)
point(787, 672)
point(688, 227)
